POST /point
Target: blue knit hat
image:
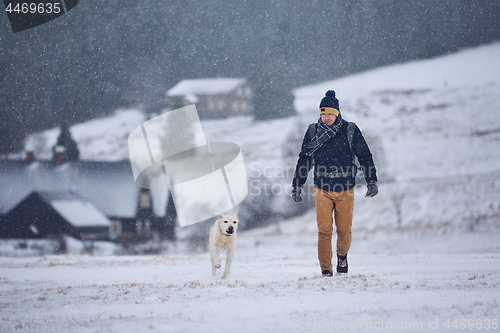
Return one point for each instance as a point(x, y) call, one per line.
point(329, 101)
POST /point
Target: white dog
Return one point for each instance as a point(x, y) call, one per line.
point(223, 235)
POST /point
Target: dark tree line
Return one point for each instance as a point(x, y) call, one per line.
point(121, 53)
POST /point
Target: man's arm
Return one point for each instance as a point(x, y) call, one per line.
point(365, 158)
point(304, 165)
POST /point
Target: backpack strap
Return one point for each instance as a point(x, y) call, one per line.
point(312, 130)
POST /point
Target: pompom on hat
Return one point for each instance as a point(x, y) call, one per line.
point(329, 104)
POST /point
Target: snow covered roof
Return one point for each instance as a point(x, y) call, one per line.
point(75, 209)
point(214, 86)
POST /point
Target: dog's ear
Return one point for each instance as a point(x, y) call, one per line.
point(236, 211)
point(217, 213)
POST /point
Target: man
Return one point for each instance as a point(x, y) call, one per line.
point(326, 146)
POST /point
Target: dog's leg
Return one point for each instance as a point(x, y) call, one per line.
point(215, 256)
point(229, 260)
point(212, 259)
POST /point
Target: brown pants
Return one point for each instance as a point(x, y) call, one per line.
point(340, 204)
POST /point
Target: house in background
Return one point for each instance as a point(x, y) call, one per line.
point(214, 98)
point(83, 199)
point(47, 215)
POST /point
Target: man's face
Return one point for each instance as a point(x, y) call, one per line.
point(328, 118)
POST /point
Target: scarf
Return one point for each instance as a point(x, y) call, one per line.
point(323, 134)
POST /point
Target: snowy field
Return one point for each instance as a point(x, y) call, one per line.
point(274, 287)
point(425, 254)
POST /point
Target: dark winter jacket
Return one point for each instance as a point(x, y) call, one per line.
point(335, 157)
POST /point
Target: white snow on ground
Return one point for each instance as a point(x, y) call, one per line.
point(433, 268)
point(269, 292)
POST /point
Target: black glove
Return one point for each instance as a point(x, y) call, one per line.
point(372, 189)
point(296, 194)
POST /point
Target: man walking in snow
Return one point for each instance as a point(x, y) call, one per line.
point(330, 146)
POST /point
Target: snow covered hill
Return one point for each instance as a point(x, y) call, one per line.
point(437, 123)
point(425, 254)
point(99, 140)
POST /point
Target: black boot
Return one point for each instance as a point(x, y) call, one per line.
point(326, 272)
point(342, 265)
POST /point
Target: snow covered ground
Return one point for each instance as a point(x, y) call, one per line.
point(434, 266)
point(268, 291)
